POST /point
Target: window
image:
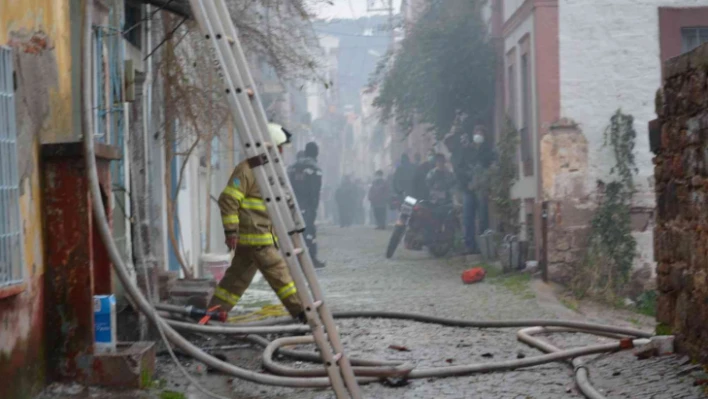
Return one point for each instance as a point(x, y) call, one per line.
point(511, 95)
point(527, 117)
point(11, 269)
point(693, 37)
point(133, 26)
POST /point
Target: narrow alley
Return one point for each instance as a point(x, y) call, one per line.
point(354, 199)
point(358, 277)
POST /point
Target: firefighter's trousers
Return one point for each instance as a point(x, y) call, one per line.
point(243, 268)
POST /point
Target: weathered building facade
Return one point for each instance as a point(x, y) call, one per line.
point(52, 260)
point(40, 47)
point(567, 67)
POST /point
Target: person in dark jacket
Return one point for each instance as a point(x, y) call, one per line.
point(359, 194)
point(378, 196)
point(419, 185)
point(440, 181)
point(403, 177)
point(306, 179)
point(471, 156)
point(344, 196)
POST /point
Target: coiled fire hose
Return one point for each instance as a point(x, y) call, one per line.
point(373, 369)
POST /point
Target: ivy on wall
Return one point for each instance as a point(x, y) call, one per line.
point(611, 246)
point(502, 176)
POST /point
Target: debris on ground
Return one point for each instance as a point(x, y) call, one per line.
point(399, 348)
point(646, 352)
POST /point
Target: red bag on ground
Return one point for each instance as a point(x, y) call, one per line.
point(474, 275)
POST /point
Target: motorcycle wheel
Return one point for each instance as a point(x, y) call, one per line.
point(440, 249)
point(446, 240)
point(396, 237)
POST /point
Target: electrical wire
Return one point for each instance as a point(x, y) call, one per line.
point(167, 37)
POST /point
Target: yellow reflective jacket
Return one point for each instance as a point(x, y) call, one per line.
point(243, 211)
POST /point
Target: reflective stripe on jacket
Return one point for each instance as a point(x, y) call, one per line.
point(243, 211)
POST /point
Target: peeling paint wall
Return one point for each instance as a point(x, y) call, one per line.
point(564, 167)
point(39, 33)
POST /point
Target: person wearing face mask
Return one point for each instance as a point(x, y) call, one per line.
point(470, 158)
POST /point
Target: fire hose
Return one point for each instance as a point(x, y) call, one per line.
point(398, 369)
point(369, 371)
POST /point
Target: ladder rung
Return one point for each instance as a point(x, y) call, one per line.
point(250, 121)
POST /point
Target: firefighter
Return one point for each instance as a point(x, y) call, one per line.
point(306, 178)
point(249, 232)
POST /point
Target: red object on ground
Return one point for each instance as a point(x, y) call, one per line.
point(474, 275)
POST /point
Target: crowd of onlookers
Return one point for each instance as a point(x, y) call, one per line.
point(458, 177)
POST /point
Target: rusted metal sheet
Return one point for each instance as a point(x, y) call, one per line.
point(76, 265)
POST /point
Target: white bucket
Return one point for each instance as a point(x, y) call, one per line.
point(216, 264)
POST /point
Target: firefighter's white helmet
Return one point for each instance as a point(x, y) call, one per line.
point(278, 135)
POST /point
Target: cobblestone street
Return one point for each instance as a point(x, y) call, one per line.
point(358, 277)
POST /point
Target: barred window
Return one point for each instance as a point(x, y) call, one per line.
point(11, 269)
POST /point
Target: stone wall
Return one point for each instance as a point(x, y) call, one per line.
point(564, 165)
point(679, 138)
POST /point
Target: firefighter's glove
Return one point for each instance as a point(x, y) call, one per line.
point(232, 243)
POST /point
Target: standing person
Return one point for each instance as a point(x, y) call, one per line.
point(359, 194)
point(344, 196)
point(419, 185)
point(249, 232)
point(378, 196)
point(470, 157)
point(440, 181)
point(403, 177)
point(306, 178)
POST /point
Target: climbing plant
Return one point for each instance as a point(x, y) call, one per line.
point(501, 177)
point(611, 246)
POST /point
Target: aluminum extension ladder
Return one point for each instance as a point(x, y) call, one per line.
point(251, 124)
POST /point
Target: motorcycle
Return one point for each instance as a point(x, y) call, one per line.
point(424, 224)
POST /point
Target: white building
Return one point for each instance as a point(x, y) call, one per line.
point(568, 66)
point(319, 96)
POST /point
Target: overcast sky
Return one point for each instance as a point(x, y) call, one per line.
point(350, 9)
